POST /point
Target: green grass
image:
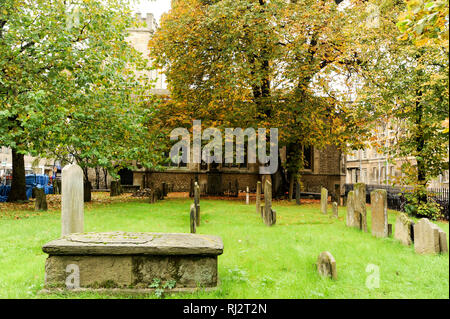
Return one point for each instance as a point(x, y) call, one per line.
point(258, 261)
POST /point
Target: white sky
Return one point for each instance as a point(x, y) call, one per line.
point(157, 7)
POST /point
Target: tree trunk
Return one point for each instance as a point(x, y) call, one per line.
point(18, 187)
point(420, 145)
point(291, 186)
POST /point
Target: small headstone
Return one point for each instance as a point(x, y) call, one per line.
point(403, 229)
point(258, 197)
point(335, 210)
point(426, 237)
point(72, 203)
point(41, 200)
point(389, 230)
point(262, 210)
point(352, 217)
point(326, 265)
point(193, 222)
point(197, 203)
point(323, 200)
point(360, 205)
point(268, 216)
point(378, 203)
point(247, 197)
point(115, 189)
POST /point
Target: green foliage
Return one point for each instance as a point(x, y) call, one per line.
point(68, 82)
point(404, 87)
point(255, 64)
point(160, 288)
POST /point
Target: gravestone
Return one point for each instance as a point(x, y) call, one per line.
point(258, 197)
point(326, 265)
point(389, 230)
point(428, 238)
point(192, 219)
point(197, 203)
point(72, 203)
point(443, 241)
point(297, 193)
point(323, 200)
point(352, 217)
point(152, 196)
point(378, 203)
point(247, 197)
point(115, 189)
point(335, 210)
point(41, 200)
point(130, 262)
point(269, 215)
point(403, 229)
point(360, 205)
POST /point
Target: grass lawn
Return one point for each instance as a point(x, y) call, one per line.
point(258, 261)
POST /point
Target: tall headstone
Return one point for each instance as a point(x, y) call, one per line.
point(335, 210)
point(258, 197)
point(72, 203)
point(247, 197)
point(323, 200)
point(197, 203)
point(326, 265)
point(352, 217)
point(192, 216)
point(378, 203)
point(360, 205)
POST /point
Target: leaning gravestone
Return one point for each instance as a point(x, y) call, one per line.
point(429, 238)
point(41, 200)
point(352, 217)
point(378, 203)
point(360, 205)
point(258, 197)
point(192, 216)
point(197, 203)
point(326, 265)
point(72, 203)
point(323, 200)
point(335, 210)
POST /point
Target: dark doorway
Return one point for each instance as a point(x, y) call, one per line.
point(126, 176)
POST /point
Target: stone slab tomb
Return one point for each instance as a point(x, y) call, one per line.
point(132, 261)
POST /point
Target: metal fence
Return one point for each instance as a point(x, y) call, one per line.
point(396, 201)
